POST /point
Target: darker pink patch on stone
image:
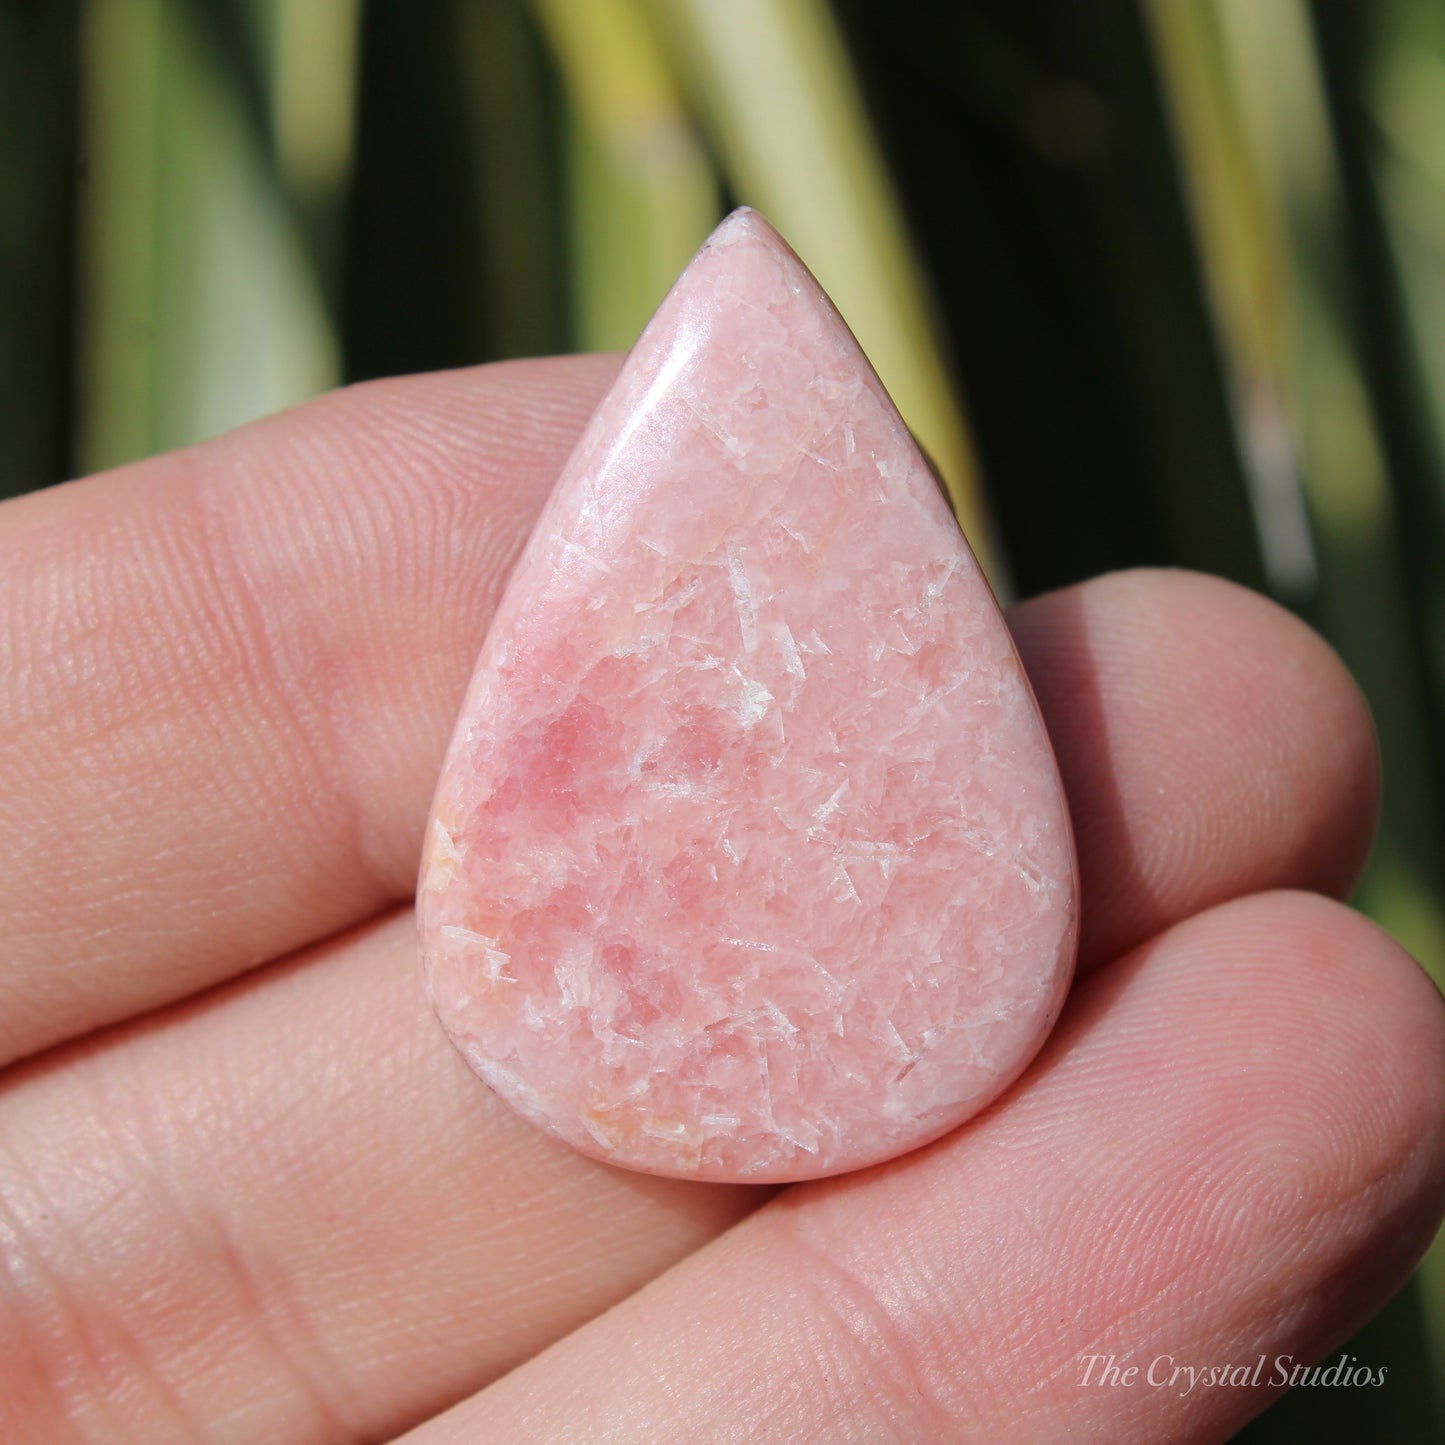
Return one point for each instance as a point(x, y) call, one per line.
point(749, 858)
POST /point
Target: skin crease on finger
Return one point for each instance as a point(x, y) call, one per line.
point(1234, 1145)
point(227, 678)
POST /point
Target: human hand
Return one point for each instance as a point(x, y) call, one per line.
point(276, 1205)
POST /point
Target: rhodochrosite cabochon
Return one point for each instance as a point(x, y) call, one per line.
point(749, 858)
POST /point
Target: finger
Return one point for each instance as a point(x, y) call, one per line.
point(227, 676)
point(1211, 745)
point(231, 674)
point(289, 1212)
point(269, 1109)
point(1234, 1148)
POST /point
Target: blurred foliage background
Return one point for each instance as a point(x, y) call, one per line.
point(1154, 281)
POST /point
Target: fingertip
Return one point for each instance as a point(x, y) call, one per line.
point(1390, 1019)
point(1211, 745)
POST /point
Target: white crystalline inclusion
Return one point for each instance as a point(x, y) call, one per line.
point(573, 972)
point(494, 957)
point(743, 600)
point(824, 811)
point(445, 858)
point(752, 704)
point(792, 658)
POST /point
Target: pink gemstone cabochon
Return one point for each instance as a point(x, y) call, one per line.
point(750, 858)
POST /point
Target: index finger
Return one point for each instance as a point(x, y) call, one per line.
point(227, 678)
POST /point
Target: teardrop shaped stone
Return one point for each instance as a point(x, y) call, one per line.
point(750, 859)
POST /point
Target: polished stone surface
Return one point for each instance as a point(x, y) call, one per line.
point(749, 858)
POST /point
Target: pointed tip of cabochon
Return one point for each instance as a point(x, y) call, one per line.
point(745, 225)
point(746, 228)
point(741, 218)
point(742, 234)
